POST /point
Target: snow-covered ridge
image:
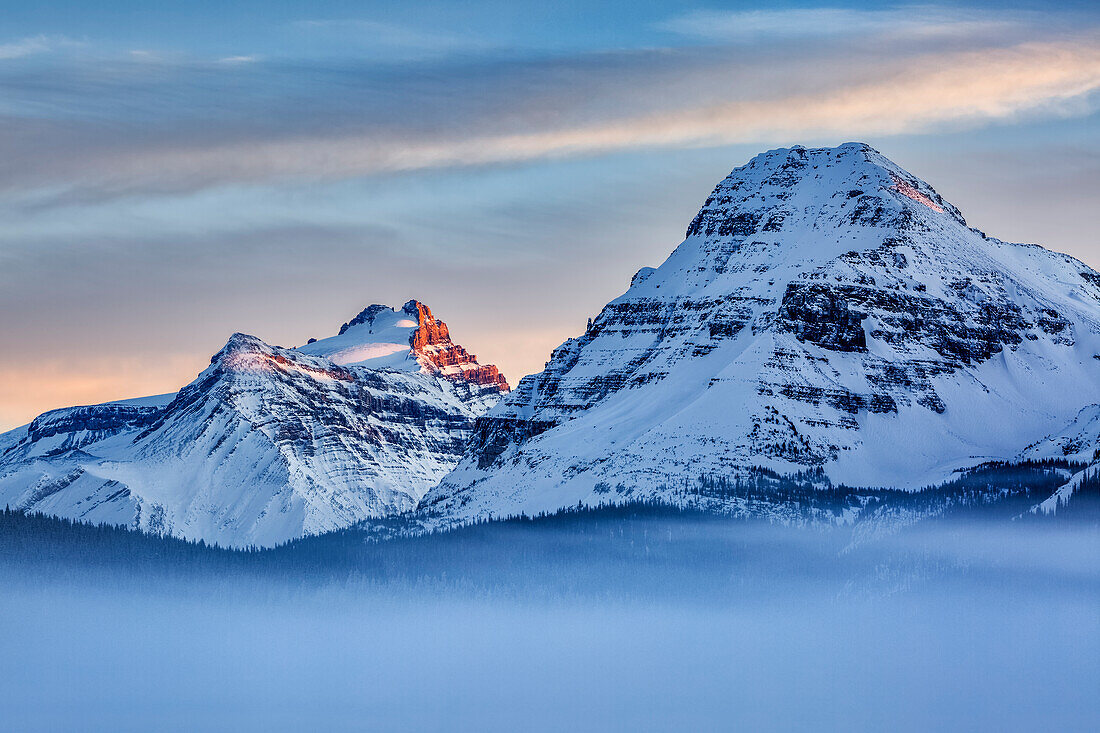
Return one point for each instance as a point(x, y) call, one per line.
point(827, 309)
point(1080, 442)
point(1077, 441)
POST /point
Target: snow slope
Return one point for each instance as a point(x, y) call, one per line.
point(827, 309)
point(1078, 441)
point(379, 337)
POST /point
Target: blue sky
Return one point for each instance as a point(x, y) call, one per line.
point(175, 172)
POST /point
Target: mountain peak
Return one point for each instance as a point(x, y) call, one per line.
point(238, 345)
point(367, 316)
point(852, 184)
point(827, 310)
point(245, 354)
point(410, 339)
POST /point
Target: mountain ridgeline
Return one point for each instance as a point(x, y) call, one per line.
point(829, 335)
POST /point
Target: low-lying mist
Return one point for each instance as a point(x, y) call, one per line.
point(616, 619)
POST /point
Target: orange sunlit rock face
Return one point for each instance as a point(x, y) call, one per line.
point(909, 191)
point(432, 344)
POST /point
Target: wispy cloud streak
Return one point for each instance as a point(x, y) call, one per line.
point(535, 111)
point(927, 21)
point(33, 45)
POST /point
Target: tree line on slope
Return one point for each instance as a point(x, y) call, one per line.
point(655, 545)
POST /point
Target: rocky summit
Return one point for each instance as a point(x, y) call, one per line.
point(828, 312)
point(410, 339)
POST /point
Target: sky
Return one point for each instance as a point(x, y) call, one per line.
point(174, 172)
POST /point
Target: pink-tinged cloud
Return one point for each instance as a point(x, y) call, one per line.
point(905, 95)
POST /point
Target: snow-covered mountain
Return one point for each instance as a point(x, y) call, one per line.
point(828, 315)
point(827, 310)
point(267, 444)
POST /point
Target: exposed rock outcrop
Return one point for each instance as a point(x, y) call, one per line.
point(431, 342)
point(411, 339)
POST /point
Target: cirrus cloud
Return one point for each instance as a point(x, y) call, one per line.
point(561, 111)
point(34, 45)
point(901, 21)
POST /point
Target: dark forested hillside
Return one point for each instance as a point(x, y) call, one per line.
point(650, 547)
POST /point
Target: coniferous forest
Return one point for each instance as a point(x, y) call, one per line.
point(569, 551)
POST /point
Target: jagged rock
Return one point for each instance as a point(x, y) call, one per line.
point(411, 339)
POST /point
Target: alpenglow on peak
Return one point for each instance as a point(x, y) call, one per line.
point(381, 337)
